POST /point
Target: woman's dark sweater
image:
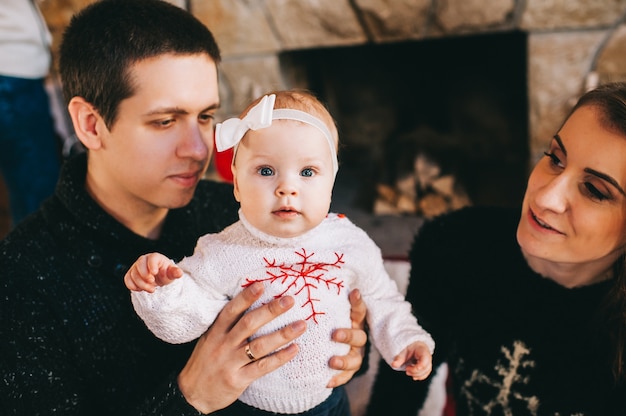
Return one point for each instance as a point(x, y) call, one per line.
point(516, 343)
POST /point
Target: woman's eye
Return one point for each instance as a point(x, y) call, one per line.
point(266, 171)
point(554, 160)
point(594, 192)
point(307, 172)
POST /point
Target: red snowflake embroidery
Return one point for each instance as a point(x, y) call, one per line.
point(303, 275)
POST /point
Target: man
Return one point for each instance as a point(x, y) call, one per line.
point(140, 78)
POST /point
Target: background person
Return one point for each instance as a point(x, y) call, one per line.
point(29, 145)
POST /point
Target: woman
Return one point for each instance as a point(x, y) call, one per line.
point(529, 309)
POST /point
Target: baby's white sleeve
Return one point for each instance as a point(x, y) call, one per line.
point(180, 311)
point(390, 318)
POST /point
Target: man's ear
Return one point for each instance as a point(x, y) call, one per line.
point(87, 122)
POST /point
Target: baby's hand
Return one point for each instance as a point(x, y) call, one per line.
point(418, 361)
point(151, 270)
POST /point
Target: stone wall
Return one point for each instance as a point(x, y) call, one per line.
point(572, 44)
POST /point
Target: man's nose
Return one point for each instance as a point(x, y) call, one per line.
point(195, 143)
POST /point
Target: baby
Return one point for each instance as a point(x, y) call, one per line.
point(284, 167)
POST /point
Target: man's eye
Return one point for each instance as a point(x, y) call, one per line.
point(163, 123)
point(307, 172)
point(206, 117)
point(265, 171)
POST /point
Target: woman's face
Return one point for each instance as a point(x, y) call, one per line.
point(574, 209)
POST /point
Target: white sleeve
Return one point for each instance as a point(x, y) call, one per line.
point(179, 312)
point(392, 325)
point(184, 309)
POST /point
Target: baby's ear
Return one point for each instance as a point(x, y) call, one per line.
point(223, 163)
point(88, 124)
point(235, 183)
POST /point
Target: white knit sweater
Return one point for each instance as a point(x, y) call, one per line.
point(318, 269)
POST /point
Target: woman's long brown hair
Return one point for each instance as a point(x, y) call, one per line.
point(610, 100)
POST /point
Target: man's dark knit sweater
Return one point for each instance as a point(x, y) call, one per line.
point(516, 343)
point(70, 341)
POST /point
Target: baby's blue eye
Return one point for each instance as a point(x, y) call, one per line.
point(307, 172)
point(265, 171)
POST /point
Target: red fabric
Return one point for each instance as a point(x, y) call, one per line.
point(450, 407)
point(222, 161)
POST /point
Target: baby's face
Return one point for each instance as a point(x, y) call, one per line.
point(283, 177)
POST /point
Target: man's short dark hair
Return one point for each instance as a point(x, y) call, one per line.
point(106, 38)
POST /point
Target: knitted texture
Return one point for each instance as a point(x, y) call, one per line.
point(70, 342)
point(318, 269)
point(516, 343)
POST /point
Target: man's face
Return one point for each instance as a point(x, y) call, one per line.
point(160, 145)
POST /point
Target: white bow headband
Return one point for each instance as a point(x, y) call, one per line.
point(229, 133)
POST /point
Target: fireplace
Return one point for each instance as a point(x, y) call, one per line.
point(460, 102)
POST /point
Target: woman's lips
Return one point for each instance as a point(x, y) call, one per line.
point(537, 223)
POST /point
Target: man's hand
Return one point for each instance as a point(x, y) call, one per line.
point(221, 368)
point(355, 337)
